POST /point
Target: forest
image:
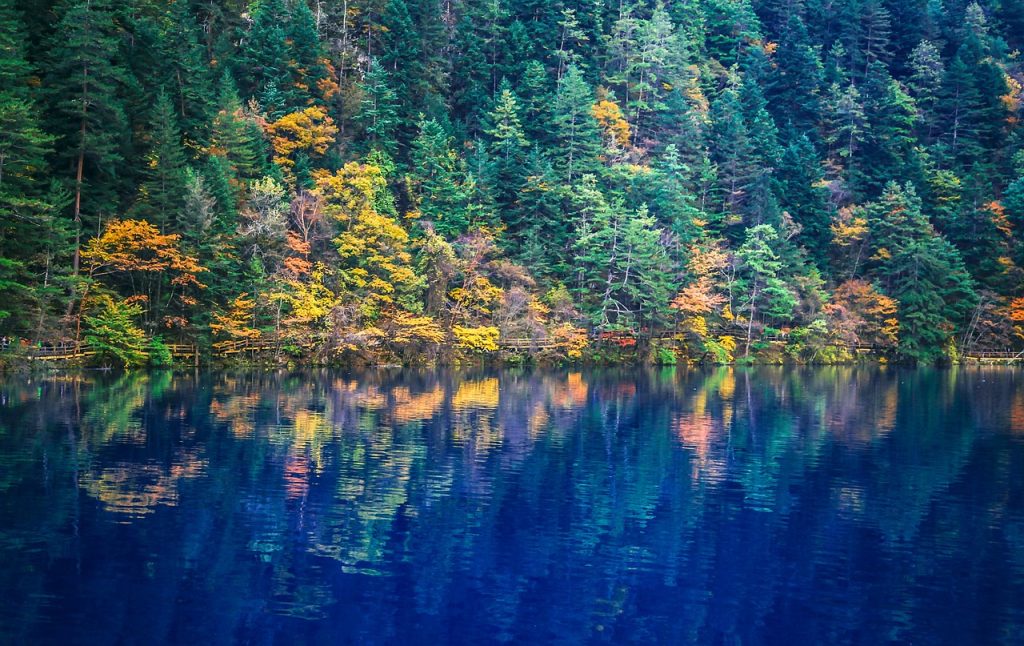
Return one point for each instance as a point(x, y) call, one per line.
point(397, 180)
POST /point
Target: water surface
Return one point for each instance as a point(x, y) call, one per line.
point(790, 506)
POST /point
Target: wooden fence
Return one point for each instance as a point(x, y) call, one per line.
point(76, 351)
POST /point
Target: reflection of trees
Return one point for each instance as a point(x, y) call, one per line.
point(728, 500)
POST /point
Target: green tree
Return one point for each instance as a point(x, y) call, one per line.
point(236, 138)
point(84, 80)
point(625, 275)
point(764, 295)
point(378, 112)
point(440, 182)
point(163, 187)
point(577, 139)
point(111, 332)
point(921, 270)
point(184, 71)
point(506, 172)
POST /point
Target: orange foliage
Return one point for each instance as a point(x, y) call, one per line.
point(137, 245)
point(861, 314)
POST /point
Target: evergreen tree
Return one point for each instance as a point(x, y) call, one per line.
point(403, 60)
point(625, 277)
point(263, 63)
point(925, 84)
point(236, 138)
point(921, 270)
point(164, 185)
point(84, 82)
point(804, 196)
point(733, 151)
point(440, 182)
point(763, 294)
point(185, 73)
point(378, 113)
point(23, 144)
point(576, 135)
point(794, 86)
point(508, 148)
point(26, 201)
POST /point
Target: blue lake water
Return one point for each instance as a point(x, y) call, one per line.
point(724, 506)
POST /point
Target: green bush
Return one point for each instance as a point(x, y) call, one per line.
point(665, 356)
point(112, 332)
point(159, 354)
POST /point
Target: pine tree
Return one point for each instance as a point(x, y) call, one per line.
point(508, 148)
point(672, 202)
point(624, 271)
point(441, 184)
point(164, 185)
point(306, 63)
point(888, 141)
point(378, 112)
point(263, 63)
point(576, 135)
point(84, 81)
point(764, 295)
point(733, 151)
point(402, 58)
point(795, 84)
point(185, 73)
point(236, 138)
point(26, 204)
point(925, 83)
point(23, 144)
point(921, 270)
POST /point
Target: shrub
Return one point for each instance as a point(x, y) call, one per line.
point(112, 332)
point(477, 339)
point(159, 354)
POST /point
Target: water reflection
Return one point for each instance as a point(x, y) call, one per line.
point(726, 505)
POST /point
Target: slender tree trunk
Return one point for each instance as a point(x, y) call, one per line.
point(750, 320)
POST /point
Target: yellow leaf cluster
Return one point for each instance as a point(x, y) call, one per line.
point(478, 339)
point(236, 323)
point(310, 301)
point(310, 131)
point(573, 340)
point(477, 296)
point(609, 116)
point(373, 246)
point(406, 328)
point(848, 229)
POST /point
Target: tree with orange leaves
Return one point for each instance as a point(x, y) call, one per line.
point(861, 315)
point(149, 264)
point(699, 298)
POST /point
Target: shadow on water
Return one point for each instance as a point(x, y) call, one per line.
point(766, 505)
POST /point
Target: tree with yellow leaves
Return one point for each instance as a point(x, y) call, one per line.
point(300, 136)
point(617, 132)
point(476, 339)
point(699, 298)
point(236, 324)
point(376, 267)
point(310, 301)
point(860, 314)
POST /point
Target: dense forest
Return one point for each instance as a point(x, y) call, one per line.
point(391, 178)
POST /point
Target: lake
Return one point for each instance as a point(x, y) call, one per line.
point(727, 506)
